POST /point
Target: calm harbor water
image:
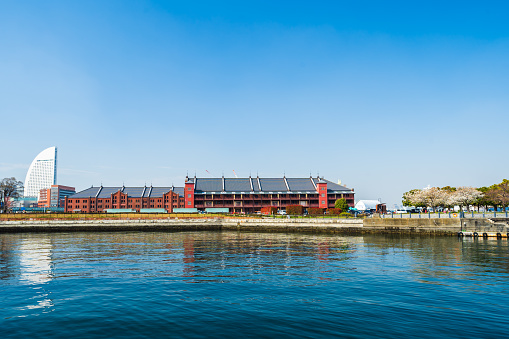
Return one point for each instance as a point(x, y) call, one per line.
point(228, 284)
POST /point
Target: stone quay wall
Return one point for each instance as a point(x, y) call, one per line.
point(414, 226)
point(110, 225)
point(307, 225)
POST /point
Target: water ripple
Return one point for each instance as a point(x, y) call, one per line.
point(228, 284)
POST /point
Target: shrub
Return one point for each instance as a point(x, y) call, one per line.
point(342, 204)
point(315, 211)
point(269, 210)
point(334, 211)
point(294, 209)
point(345, 214)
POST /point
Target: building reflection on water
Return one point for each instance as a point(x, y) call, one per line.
point(35, 260)
point(209, 255)
point(27, 260)
point(197, 256)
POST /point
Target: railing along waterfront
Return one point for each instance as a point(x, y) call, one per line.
point(430, 215)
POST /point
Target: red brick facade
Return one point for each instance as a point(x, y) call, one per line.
point(321, 187)
point(119, 200)
point(234, 195)
point(189, 194)
point(254, 194)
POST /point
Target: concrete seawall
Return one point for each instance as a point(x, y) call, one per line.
point(318, 225)
point(345, 226)
point(261, 225)
point(109, 225)
point(414, 226)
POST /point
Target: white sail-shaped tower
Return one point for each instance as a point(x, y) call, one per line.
point(42, 172)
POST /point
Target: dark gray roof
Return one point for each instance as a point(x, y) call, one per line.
point(88, 193)
point(237, 185)
point(300, 184)
point(204, 185)
point(107, 191)
point(273, 184)
point(179, 190)
point(146, 192)
point(209, 184)
point(133, 192)
point(158, 192)
point(256, 187)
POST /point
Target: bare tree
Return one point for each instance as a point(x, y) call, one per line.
point(9, 189)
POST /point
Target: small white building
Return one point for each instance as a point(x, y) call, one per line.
point(364, 205)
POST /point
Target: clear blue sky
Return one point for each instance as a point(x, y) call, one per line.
point(385, 95)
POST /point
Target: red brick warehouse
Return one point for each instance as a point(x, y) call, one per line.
point(249, 195)
point(99, 199)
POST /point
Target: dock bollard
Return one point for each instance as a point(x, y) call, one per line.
point(476, 234)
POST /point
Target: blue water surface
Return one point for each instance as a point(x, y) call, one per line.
point(230, 285)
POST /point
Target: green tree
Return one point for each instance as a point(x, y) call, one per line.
point(485, 200)
point(408, 202)
point(499, 194)
point(342, 204)
point(9, 189)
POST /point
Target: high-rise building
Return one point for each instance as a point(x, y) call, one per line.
point(42, 173)
point(55, 196)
